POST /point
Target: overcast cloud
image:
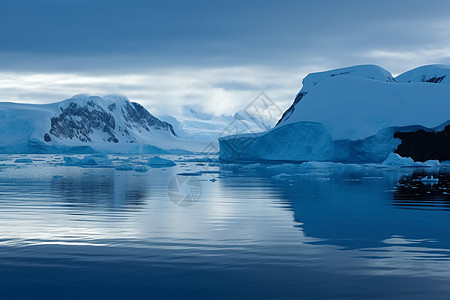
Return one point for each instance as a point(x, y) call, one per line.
point(214, 54)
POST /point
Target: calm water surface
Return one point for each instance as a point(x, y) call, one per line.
point(258, 231)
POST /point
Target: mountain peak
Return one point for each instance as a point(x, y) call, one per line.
point(428, 73)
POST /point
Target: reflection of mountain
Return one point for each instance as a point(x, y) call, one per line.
point(108, 189)
point(353, 210)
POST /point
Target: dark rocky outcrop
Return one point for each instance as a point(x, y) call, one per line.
point(291, 109)
point(80, 121)
point(139, 117)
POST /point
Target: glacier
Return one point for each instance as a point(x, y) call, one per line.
point(358, 114)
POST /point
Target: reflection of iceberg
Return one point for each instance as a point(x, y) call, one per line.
point(342, 212)
point(423, 191)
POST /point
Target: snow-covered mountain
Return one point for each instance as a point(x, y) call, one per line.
point(83, 123)
point(350, 114)
point(196, 125)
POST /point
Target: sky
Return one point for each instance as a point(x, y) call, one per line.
point(213, 55)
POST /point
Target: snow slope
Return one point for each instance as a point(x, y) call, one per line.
point(84, 124)
point(353, 107)
point(431, 74)
point(358, 108)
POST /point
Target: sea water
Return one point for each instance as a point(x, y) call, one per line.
point(202, 229)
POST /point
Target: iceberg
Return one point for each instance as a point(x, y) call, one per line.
point(359, 114)
point(300, 141)
point(90, 160)
point(23, 161)
point(396, 160)
point(158, 162)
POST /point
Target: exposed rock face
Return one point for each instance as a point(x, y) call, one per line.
point(138, 117)
point(78, 121)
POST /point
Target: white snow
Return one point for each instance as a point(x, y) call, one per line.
point(352, 107)
point(430, 74)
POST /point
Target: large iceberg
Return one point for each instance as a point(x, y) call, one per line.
point(310, 141)
point(356, 114)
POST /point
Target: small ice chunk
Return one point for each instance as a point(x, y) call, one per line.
point(100, 159)
point(281, 176)
point(431, 163)
point(158, 162)
point(23, 161)
point(430, 180)
point(124, 167)
point(398, 161)
point(90, 160)
point(72, 161)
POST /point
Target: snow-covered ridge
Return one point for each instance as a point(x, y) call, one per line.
point(82, 120)
point(355, 107)
point(371, 72)
point(431, 74)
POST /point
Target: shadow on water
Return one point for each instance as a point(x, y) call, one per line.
point(416, 192)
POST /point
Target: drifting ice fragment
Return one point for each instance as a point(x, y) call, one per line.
point(23, 161)
point(158, 162)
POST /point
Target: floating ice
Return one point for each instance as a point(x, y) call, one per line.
point(396, 160)
point(430, 180)
point(158, 162)
point(23, 161)
point(90, 160)
point(429, 163)
point(124, 167)
point(141, 168)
